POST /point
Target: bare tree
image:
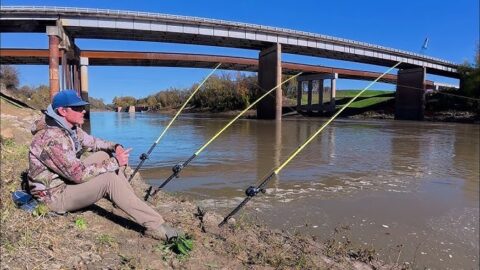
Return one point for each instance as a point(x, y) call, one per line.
point(9, 76)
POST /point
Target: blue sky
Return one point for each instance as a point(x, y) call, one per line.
point(451, 26)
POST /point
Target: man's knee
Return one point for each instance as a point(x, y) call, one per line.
point(101, 155)
point(97, 157)
point(105, 179)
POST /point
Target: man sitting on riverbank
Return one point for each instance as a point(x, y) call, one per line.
point(64, 182)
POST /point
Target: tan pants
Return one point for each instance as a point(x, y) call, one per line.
point(109, 185)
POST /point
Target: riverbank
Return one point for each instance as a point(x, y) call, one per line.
point(440, 116)
point(103, 237)
point(453, 116)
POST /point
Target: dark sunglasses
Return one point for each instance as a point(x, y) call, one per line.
point(78, 108)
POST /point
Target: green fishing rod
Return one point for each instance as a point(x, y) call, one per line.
point(144, 156)
point(177, 168)
point(252, 191)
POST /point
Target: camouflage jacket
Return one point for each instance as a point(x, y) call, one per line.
point(54, 162)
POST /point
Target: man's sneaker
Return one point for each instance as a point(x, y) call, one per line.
point(163, 232)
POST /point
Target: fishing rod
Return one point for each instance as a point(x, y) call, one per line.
point(252, 191)
point(144, 156)
point(177, 168)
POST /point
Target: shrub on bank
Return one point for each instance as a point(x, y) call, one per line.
point(221, 93)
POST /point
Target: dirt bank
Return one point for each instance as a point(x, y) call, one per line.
point(440, 116)
point(102, 237)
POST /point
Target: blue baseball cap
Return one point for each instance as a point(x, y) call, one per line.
point(67, 98)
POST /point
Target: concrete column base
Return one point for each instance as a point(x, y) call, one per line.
point(270, 76)
point(410, 95)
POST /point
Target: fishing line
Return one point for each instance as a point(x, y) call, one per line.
point(144, 156)
point(177, 168)
point(253, 191)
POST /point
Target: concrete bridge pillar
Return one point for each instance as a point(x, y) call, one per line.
point(320, 94)
point(322, 106)
point(84, 81)
point(333, 92)
point(63, 62)
point(84, 78)
point(67, 76)
point(309, 96)
point(270, 76)
point(59, 45)
point(299, 95)
point(76, 66)
point(76, 78)
point(410, 94)
point(54, 55)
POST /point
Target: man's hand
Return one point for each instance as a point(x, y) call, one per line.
point(118, 147)
point(122, 155)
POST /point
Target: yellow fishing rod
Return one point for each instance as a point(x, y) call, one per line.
point(252, 191)
point(177, 168)
point(144, 156)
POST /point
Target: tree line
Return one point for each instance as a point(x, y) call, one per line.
point(219, 93)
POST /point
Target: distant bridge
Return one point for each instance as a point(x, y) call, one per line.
point(64, 25)
point(128, 58)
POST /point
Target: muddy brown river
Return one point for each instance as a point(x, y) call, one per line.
point(408, 190)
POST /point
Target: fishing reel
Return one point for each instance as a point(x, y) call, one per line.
point(252, 191)
point(143, 156)
point(177, 168)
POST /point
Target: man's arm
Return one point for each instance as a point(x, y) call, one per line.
point(94, 143)
point(60, 157)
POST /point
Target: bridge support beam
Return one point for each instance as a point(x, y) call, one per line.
point(84, 81)
point(326, 96)
point(76, 68)
point(410, 94)
point(269, 76)
point(333, 93)
point(57, 40)
point(321, 91)
point(84, 78)
point(299, 95)
point(53, 42)
point(309, 96)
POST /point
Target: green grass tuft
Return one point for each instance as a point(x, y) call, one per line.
point(40, 211)
point(181, 245)
point(81, 223)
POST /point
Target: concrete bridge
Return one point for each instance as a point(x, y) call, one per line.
point(160, 59)
point(123, 58)
point(64, 25)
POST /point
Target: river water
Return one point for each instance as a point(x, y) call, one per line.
point(409, 190)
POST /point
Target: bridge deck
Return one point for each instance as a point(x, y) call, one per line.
point(132, 25)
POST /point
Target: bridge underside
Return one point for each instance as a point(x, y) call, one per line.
point(74, 75)
point(239, 43)
point(129, 58)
